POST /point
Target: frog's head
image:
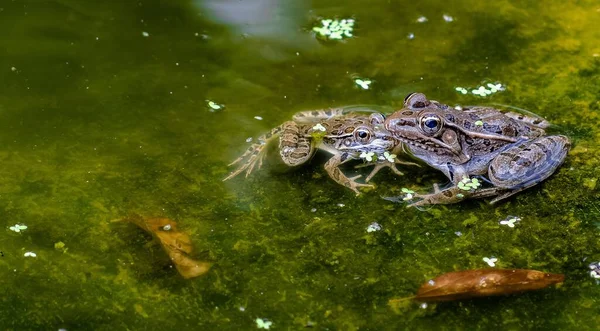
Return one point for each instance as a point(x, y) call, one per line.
point(420, 125)
point(369, 137)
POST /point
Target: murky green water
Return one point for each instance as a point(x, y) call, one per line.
point(103, 114)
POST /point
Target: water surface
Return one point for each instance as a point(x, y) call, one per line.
point(104, 113)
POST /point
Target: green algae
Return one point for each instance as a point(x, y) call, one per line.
point(98, 122)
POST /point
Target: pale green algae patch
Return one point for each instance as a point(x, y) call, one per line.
point(99, 121)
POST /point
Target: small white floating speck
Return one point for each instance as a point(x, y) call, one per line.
point(373, 227)
point(448, 18)
point(263, 323)
point(422, 19)
point(145, 34)
point(249, 139)
point(18, 227)
point(167, 227)
point(30, 254)
point(13, 69)
point(258, 118)
point(411, 36)
point(491, 261)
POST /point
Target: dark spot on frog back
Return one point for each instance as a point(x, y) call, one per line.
point(508, 131)
point(492, 128)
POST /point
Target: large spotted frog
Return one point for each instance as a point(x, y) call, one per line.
point(347, 136)
point(512, 149)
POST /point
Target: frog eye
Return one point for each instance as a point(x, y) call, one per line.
point(362, 134)
point(408, 96)
point(431, 124)
point(416, 100)
point(376, 118)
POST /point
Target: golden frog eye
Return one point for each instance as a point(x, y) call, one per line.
point(431, 124)
point(362, 135)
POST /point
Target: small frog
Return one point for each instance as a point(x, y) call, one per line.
point(347, 136)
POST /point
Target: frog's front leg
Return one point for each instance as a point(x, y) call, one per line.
point(527, 164)
point(385, 164)
point(332, 166)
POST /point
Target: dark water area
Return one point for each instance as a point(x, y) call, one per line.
point(115, 108)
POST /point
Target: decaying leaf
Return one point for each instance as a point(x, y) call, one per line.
point(177, 244)
point(484, 282)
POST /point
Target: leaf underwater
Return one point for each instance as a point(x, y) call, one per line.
point(177, 244)
point(484, 282)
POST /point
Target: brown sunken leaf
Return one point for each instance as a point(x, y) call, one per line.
point(177, 244)
point(484, 282)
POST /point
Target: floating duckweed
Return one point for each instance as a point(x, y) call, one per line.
point(510, 221)
point(373, 227)
point(213, 106)
point(18, 227)
point(467, 184)
point(367, 156)
point(390, 157)
point(595, 270)
point(335, 29)
point(263, 323)
point(491, 261)
point(480, 123)
point(462, 90)
point(482, 90)
point(363, 83)
point(409, 194)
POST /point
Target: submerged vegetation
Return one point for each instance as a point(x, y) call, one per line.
point(116, 108)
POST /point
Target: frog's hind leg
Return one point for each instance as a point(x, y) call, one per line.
point(527, 164)
point(255, 154)
point(315, 116)
point(295, 146)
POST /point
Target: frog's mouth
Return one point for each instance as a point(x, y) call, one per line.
point(377, 146)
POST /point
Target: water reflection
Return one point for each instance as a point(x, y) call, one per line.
point(277, 25)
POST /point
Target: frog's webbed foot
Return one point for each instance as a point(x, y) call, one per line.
point(379, 166)
point(332, 168)
point(353, 185)
point(456, 193)
point(450, 195)
point(253, 156)
point(385, 164)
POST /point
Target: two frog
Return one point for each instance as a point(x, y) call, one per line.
point(512, 149)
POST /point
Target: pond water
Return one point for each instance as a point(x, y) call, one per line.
point(108, 110)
